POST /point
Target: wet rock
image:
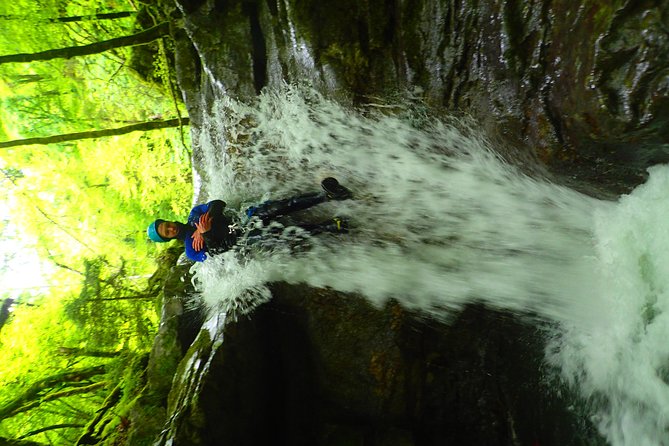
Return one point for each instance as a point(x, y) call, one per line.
point(316, 367)
point(222, 39)
point(581, 86)
point(180, 322)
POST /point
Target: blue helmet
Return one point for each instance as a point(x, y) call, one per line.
point(152, 232)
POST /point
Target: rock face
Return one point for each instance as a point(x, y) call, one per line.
point(315, 367)
point(581, 87)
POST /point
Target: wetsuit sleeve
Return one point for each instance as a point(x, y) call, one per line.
point(195, 213)
point(218, 239)
point(191, 253)
point(194, 217)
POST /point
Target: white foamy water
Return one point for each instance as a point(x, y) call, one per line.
point(622, 354)
point(439, 220)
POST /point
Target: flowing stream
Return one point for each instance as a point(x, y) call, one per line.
point(439, 219)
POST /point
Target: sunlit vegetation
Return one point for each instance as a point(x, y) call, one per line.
point(83, 206)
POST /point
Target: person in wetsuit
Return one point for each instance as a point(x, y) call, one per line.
point(210, 231)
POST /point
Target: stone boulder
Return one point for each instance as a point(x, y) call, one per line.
point(317, 367)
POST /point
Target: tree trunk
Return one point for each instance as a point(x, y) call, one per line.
point(93, 48)
point(73, 351)
point(4, 311)
point(51, 428)
point(79, 18)
point(11, 442)
point(135, 297)
point(37, 389)
point(25, 78)
point(88, 437)
point(141, 127)
point(57, 395)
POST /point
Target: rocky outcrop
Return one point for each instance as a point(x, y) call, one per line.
point(316, 367)
point(581, 86)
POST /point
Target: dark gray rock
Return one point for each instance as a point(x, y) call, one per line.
point(316, 367)
point(579, 86)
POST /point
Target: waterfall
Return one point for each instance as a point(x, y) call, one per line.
point(439, 219)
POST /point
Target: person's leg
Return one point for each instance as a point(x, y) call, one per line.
point(334, 225)
point(276, 208)
point(271, 209)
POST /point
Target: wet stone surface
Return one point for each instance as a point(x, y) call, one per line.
point(578, 88)
point(582, 87)
point(316, 367)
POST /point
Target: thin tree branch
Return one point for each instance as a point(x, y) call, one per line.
point(143, 126)
point(57, 395)
point(172, 87)
point(145, 36)
point(50, 428)
point(79, 18)
point(46, 216)
point(74, 351)
point(38, 387)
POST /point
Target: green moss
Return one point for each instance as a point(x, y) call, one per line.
point(138, 416)
point(349, 62)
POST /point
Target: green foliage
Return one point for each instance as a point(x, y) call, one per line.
point(112, 308)
point(73, 94)
point(84, 206)
point(98, 197)
point(136, 418)
point(30, 349)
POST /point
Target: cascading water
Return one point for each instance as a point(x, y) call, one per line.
point(621, 357)
point(440, 220)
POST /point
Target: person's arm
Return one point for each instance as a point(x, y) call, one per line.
point(213, 226)
point(197, 212)
point(214, 209)
point(192, 253)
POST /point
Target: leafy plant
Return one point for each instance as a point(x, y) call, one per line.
point(84, 206)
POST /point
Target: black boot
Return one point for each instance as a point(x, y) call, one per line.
point(334, 190)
